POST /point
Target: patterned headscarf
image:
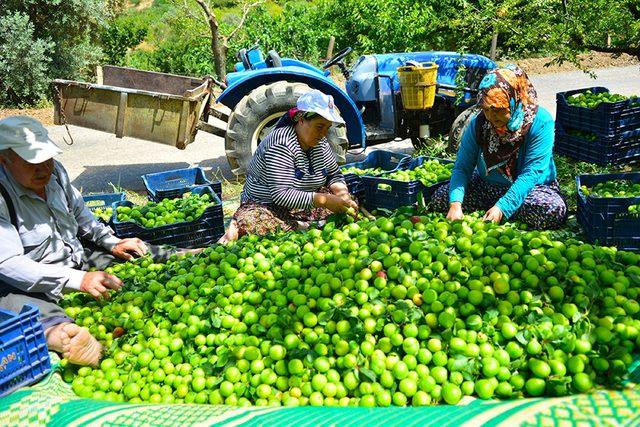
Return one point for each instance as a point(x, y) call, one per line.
point(507, 87)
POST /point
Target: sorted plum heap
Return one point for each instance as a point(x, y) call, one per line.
point(634, 210)
point(408, 310)
point(429, 173)
point(613, 188)
point(103, 213)
point(588, 99)
point(357, 171)
point(167, 211)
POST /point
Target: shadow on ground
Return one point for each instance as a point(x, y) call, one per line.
point(103, 179)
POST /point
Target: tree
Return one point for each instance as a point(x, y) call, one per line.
point(604, 26)
point(219, 41)
point(24, 61)
point(69, 29)
point(121, 35)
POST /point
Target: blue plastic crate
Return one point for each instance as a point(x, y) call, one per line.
point(203, 231)
point(603, 218)
point(381, 192)
point(609, 119)
point(622, 149)
point(24, 357)
point(626, 232)
point(383, 159)
point(174, 183)
point(104, 200)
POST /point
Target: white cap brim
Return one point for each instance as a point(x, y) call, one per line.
point(38, 152)
point(319, 103)
point(28, 138)
point(331, 115)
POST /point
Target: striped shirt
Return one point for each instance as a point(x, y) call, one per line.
point(281, 173)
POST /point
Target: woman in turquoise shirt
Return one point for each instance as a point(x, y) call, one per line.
point(505, 162)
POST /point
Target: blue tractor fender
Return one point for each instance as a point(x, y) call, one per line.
point(246, 81)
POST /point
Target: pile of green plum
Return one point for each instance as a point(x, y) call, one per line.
point(357, 171)
point(429, 173)
point(407, 310)
point(103, 214)
point(613, 188)
point(167, 211)
point(588, 99)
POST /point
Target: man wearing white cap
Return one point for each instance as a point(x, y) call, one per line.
point(293, 177)
point(41, 217)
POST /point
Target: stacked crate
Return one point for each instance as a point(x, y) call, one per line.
point(606, 220)
point(608, 134)
point(174, 183)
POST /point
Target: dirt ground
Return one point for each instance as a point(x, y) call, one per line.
point(45, 115)
point(589, 60)
point(530, 65)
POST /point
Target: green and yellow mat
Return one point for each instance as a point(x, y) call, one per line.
point(52, 402)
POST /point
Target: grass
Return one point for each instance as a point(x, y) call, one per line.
point(132, 196)
point(231, 191)
point(436, 147)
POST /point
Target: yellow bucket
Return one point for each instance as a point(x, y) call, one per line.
point(418, 85)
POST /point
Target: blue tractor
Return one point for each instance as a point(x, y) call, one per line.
point(261, 89)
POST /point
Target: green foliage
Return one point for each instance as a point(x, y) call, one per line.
point(67, 28)
point(24, 61)
point(436, 147)
point(590, 24)
point(382, 26)
point(122, 34)
point(368, 26)
point(177, 38)
point(300, 38)
point(181, 44)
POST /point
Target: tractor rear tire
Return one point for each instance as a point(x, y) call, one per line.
point(257, 113)
point(459, 126)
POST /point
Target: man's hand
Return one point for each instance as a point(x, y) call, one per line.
point(494, 215)
point(98, 283)
point(128, 249)
point(455, 211)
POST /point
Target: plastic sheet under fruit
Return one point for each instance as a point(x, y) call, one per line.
point(52, 402)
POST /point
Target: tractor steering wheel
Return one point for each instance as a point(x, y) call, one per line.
point(337, 58)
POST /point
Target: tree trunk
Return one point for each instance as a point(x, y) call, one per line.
point(219, 51)
point(218, 48)
point(494, 45)
point(219, 42)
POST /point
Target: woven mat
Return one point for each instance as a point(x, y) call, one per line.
point(52, 402)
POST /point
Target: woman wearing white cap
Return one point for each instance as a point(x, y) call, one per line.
point(293, 177)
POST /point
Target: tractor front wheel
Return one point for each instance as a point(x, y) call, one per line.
point(256, 115)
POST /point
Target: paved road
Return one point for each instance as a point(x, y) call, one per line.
point(97, 159)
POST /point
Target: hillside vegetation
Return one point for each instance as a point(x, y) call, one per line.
point(45, 39)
